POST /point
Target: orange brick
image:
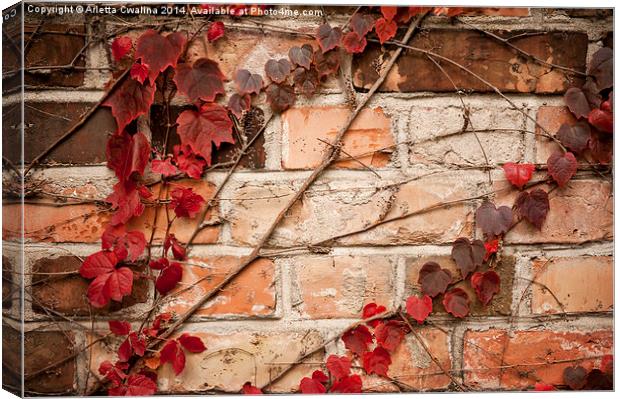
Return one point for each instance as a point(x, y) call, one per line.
point(252, 293)
point(531, 356)
point(550, 118)
point(353, 282)
point(579, 212)
point(307, 129)
point(580, 284)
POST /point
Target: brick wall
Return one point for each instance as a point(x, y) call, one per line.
point(291, 300)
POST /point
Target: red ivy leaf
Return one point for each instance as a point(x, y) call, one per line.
point(518, 174)
point(339, 366)
point(575, 377)
point(362, 24)
point(433, 279)
point(278, 70)
point(140, 385)
point(216, 30)
point(601, 146)
point(575, 137)
point(249, 389)
point(139, 72)
point(372, 309)
point(357, 339)
point(126, 199)
point(419, 308)
point(169, 278)
point(159, 264)
point(602, 120)
point(328, 37)
point(456, 302)
point(123, 243)
point(301, 56)
point(192, 343)
point(185, 202)
point(311, 386)
point(533, 206)
point(577, 102)
point(562, 167)
point(350, 384)
point(468, 256)
point(490, 248)
point(607, 364)
point(280, 97)
point(306, 80)
point(138, 343)
point(113, 372)
point(493, 221)
point(99, 263)
point(178, 251)
point(326, 63)
point(173, 354)
point(203, 80)
point(354, 43)
point(239, 104)
point(124, 351)
point(128, 154)
point(121, 46)
point(188, 161)
point(112, 285)
point(319, 376)
point(385, 29)
point(389, 12)
point(200, 129)
point(486, 284)
point(248, 83)
point(164, 167)
point(158, 52)
point(130, 100)
point(602, 68)
point(119, 327)
point(539, 386)
point(390, 334)
point(377, 362)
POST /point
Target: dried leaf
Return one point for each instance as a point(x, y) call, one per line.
point(328, 37)
point(301, 56)
point(493, 221)
point(562, 167)
point(456, 302)
point(433, 279)
point(533, 206)
point(486, 285)
point(203, 80)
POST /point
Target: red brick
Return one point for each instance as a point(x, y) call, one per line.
point(509, 72)
point(307, 129)
point(501, 303)
point(550, 118)
point(251, 293)
point(581, 211)
point(531, 356)
point(353, 282)
point(66, 294)
point(567, 279)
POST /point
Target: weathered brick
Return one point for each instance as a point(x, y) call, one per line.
point(563, 279)
point(251, 293)
point(8, 282)
point(550, 118)
point(498, 11)
point(428, 124)
point(66, 293)
point(45, 122)
point(499, 306)
point(182, 228)
point(306, 131)
point(353, 282)
point(530, 356)
point(581, 211)
point(509, 72)
point(12, 359)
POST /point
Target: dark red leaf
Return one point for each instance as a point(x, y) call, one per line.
point(389, 12)
point(490, 248)
point(602, 120)
point(419, 308)
point(533, 206)
point(486, 284)
point(607, 364)
point(164, 167)
point(239, 104)
point(328, 37)
point(159, 264)
point(350, 384)
point(326, 63)
point(119, 327)
point(599, 381)
point(280, 97)
point(493, 221)
point(130, 100)
point(372, 309)
point(575, 137)
point(158, 52)
point(306, 81)
point(433, 279)
point(173, 354)
point(279, 70)
point(562, 167)
point(602, 68)
point(113, 285)
point(188, 162)
point(169, 278)
point(539, 386)
point(311, 386)
point(362, 24)
point(123, 243)
point(140, 385)
point(390, 334)
point(577, 102)
point(205, 127)
point(456, 302)
point(357, 339)
point(178, 251)
point(518, 174)
point(203, 80)
point(139, 72)
point(126, 199)
point(138, 343)
point(601, 146)
point(385, 29)
point(185, 202)
point(339, 366)
point(319, 376)
point(354, 43)
point(121, 46)
point(249, 389)
point(216, 30)
point(192, 343)
point(247, 82)
point(377, 362)
point(128, 154)
point(301, 56)
point(468, 256)
point(99, 263)
point(575, 377)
